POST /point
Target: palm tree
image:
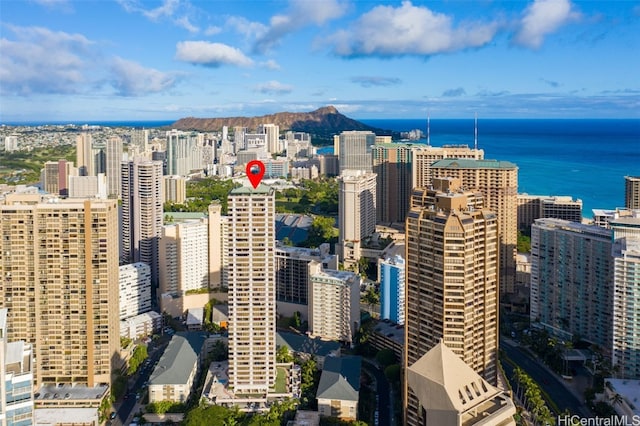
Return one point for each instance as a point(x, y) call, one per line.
point(616, 398)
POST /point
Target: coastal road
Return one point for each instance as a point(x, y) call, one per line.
point(549, 382)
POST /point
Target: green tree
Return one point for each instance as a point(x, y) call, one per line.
point(322, 231)
point(283, 354)
point(386, 357)
point(371, 298)
point(392, 373)
point(138, 357)
point(219, 352)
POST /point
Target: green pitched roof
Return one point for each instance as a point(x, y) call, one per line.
point(465, 163)
point(249, 190)
point(177, 361)
point(340, 379)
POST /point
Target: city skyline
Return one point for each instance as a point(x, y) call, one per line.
point(163, 60)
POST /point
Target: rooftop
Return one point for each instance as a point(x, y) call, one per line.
point(178, 359)
point(340, 379)
point(464, 163)
point(73, 392)
point(304, 344)
point(248, 190)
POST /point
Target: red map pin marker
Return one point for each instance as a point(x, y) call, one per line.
point(255, 172)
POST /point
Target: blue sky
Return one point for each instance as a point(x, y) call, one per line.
point(63, 60)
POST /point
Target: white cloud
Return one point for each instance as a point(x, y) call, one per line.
point(271, 64)
point(409, 30)
point(245, 27)
point(167, 9)
point(301, 13)
point(542, 18)
point(273, 88)
point(176, 11)
point(132, 79)
point(210, 54)
point(185, 23)
point(212, 30)
point(39, 60)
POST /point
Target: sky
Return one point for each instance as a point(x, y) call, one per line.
point(104, 60)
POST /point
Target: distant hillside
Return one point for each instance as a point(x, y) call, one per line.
point(323, 123)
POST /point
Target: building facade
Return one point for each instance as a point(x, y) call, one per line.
point(135, 290)
point(393, 166)
point(251, 280)
point(174, 189)
point(572, 280)
point(356, 212)
point(532, 207)
point(354, 150)
point(632, 192)
point(498, 182)
point(334, 304)
point(55, 177)
point(392, 284)
point(425, 155)
point(626, 279)
point(113, 158)
point(451, 280)
point(142, 214)
point(59, 263)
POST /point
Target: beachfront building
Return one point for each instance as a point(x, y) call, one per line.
point(532, 207)
point(572, 280)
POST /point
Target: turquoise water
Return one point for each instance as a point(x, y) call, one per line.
point(585, 159)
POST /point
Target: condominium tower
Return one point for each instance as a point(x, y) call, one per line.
point(532, 207)
point(632, 192)
point(425, 155)
point(55, 175)
point(252, 298)
point(113, 158)
point(393, 164)
point(84, 160)
point(572, 280)
point(626, 279)
point(59, 269)
point(498, 183)
point(141, 213)
point(356, 212)
point(451, 280)
point(355, 150)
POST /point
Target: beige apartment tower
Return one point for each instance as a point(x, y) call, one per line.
point(451, 280)
point(425, 155)
point(252, 290)
point(498, 183)
point(393, 165)
point(59, 269)
point(632, 192)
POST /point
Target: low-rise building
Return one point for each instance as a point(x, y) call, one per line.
point(141, 325)
point(388, 335)
point(339, 388)
point(306, 347)
point(175, 373)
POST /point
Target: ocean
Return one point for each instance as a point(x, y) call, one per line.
point(584, 158)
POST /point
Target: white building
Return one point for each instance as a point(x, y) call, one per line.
point(135, 289)
point(184, 248)
point(11, 143)
point(141, 325)
point(334, 304)
point(88, 186)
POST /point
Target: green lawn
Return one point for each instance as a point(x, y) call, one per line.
point(281, 380)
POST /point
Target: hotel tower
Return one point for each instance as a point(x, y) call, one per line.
point(451, 280)
point(252, 289)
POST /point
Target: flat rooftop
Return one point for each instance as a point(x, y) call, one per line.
point(66, 392)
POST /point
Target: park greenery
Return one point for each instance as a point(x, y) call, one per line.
point(524, 243)
point(319, 196)
point(322, 230)
point(162, 407)
point(23, 167)
point(200, 194)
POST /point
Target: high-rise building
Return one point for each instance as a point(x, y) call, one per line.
point(135, 290)
point(217, 240)
point(355, 150)
point(292, 276)
point(113, 158)
point(393, 164)
point(16, 378)
point(174, 189)
point(392, 289)
point(425, 155)
point(356, 212)
point(572, 280)
point(273, 137)
point(334, 304)
point(532, 207)
point(84, 158)
point(139, 141)
point(11, 143)
point(184, 250)
point(142, 211)
point(59, 269)
point(184, 152)
point(498, 182)
point(252, 298)
point(55, 177)
point(451, 280)
point(632, 192)
point(626, 280)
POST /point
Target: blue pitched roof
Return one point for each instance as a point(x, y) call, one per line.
point(340, 379)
